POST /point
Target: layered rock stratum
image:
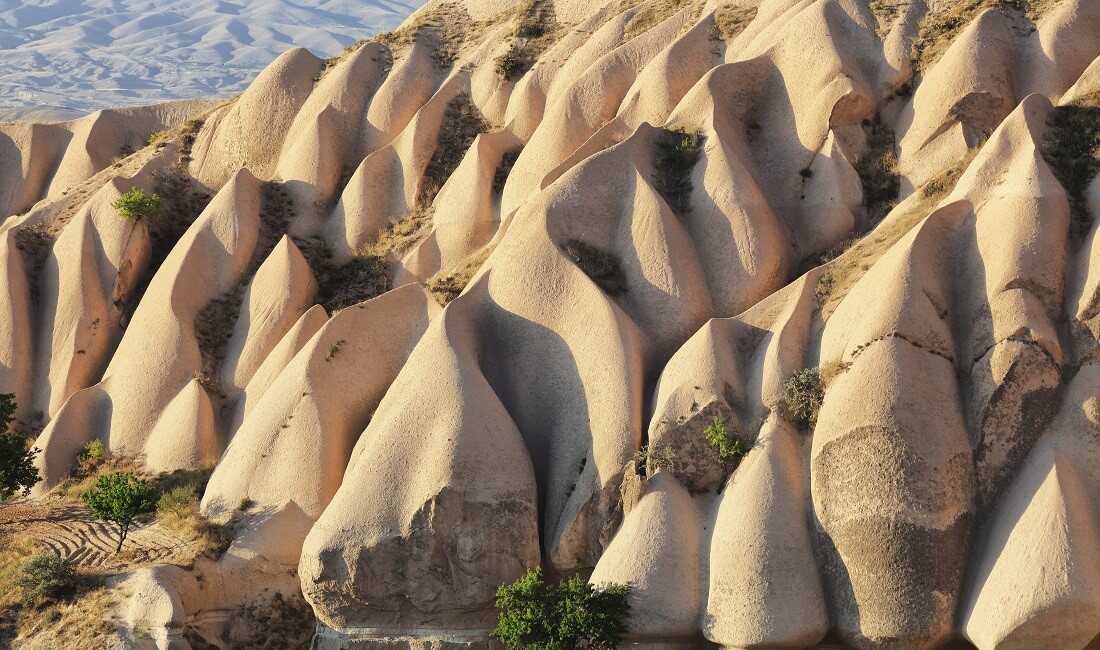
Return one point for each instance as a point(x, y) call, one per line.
point(462, 302)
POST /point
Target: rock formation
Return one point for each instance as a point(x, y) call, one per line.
point(473, 297)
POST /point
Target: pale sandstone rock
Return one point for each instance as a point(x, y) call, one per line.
point(88, 282)
point(467, 500)
point(665, 576)
point(249, 132)
point(765, 590)
point(945, 492)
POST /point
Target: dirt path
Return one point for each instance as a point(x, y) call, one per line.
point(69, 530)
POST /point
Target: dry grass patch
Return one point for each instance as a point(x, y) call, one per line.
point(535, 30)
point(731, 19)
point(215, 322)
point(652, 13)
point(446, 286)
point(462, 123)
point(447, 25)
point(178, 510)
point(343, 285)
point(947, 18)
point(846, 263)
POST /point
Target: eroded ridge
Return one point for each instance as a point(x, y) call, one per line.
point(491, 291)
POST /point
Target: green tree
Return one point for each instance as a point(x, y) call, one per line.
point(572, 614)
point(136, 204)
point(119, 498)
point(17, 472)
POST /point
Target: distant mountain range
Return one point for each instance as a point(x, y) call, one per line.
point(68, 57)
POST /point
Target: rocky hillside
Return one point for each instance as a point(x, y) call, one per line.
point(65, 58)
point(492, 291)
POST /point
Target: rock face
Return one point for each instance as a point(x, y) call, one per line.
point(484, 293)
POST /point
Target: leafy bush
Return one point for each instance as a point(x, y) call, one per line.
point(119, 498)
point(46, 576)
point(91, 456)
point(136, 204)
point(17, 471)
point(571, 614)
point(730, 447)
point(803, 393)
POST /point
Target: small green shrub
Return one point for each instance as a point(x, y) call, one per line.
point(136, 204)
point(17, 471)
point(91, 456)
point(730, 448)
point(603, 267)
point(571, 614)
point(245, 504)
point(46, 576)
point(803, 394)
point(119, 498)
point(676, 155)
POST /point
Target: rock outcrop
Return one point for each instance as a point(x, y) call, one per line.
point(482, 294)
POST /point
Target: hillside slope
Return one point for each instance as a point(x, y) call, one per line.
point(72, 57)
point(467, 298)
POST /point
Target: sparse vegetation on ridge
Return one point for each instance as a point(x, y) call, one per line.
point(572, 614)
point(462, 123)
point(675, 156)
point(214, 324)
point(342, 285)
point(648, 15)
point(600, 265)
point(849, 260)
point(731, 19)
point(1071, 146)
point(878, 172)
point(448, 26)
point(536, 29)
point(945, 20)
